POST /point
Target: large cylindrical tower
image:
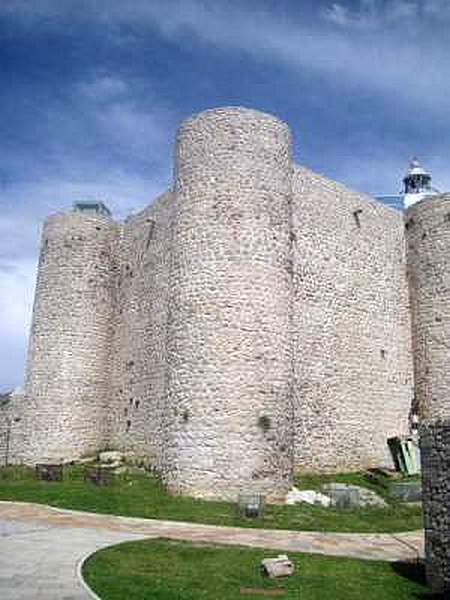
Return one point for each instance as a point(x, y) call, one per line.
point(229, 413)
point(428, 254)
point(68, 383)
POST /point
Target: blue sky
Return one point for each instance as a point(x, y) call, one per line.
point(91, 92)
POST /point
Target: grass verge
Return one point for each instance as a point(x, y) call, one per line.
point(144, 496)
point(163, 570)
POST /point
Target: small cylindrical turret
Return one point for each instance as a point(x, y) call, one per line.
point(428, 251)
point(229, 414)
point(69, 360)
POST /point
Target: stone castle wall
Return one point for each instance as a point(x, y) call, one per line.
point(229, 418)
point(12, 430)
point(353, 363)
point(252, 320)
point(140, 371)
point(69, 362)
point(428, 235)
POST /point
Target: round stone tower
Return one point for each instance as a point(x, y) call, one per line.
point(428, 255)
point(69, 363)
point(229, 415)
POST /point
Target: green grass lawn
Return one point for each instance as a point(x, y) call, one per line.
point(166, 570)
point(144, 496)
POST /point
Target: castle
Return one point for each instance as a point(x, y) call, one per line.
point(253, 320)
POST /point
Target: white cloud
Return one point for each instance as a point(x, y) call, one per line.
point(374, 14)
point(96, 153)
point(100, 136)
point(402, 63)
point(16, 299)
point(102, 88)
point(110, 112)
point(389, 48)
point(15, 306)
point(338, 14)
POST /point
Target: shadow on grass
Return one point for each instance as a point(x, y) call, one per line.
point(415, 571)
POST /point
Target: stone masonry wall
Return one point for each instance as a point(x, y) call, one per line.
point(435, 455)
point(68, 386)
point(253, 319)
point(427, 225)
point(353, 363)
point(229, 414)
point(4, 430)
point(141, 367)
point(12, 442)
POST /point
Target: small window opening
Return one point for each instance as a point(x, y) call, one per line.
point(150, 233)
point(356, 215)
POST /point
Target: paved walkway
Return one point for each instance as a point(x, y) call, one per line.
point(42, 547)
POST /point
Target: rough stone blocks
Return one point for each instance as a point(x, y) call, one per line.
point(253, 320)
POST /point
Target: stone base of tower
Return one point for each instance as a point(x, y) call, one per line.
point(272, 494)
point(435, 451)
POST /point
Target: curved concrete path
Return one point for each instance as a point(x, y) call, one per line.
point(42, 547)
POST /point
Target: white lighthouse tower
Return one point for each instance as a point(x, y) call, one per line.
point(417, 184)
